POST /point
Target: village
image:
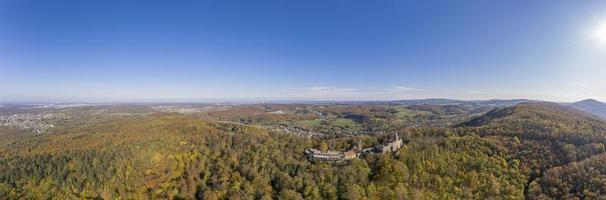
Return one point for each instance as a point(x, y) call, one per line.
point(27, 121)
point(392, 146)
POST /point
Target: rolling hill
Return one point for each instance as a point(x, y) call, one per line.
point(591, 106)
point(541, 121)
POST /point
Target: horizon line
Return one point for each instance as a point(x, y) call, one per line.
point(263, 100)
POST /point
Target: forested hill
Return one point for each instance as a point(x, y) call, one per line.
point(591, 106)
point(541, 121)
point(561, 148)
point(553, 112)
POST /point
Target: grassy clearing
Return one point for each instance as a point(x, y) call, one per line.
point(308, 123)
point(342, 122)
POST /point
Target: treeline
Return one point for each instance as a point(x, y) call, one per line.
point(579, 180)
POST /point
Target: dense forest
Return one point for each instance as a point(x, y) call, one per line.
point(531, 150)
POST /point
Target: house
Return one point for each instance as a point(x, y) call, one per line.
point(348, 155)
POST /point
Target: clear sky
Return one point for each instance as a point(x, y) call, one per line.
point(301, 50)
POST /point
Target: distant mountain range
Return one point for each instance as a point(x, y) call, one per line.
point(591, 106)
point(530, 111)
point(491, 102)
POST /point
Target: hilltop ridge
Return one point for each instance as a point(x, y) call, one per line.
point(541, 121)
point(591, 106)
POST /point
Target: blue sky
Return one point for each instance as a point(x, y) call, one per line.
point(301, 50)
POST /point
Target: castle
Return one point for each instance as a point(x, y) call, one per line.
point(391, 146)
point(317, 155)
